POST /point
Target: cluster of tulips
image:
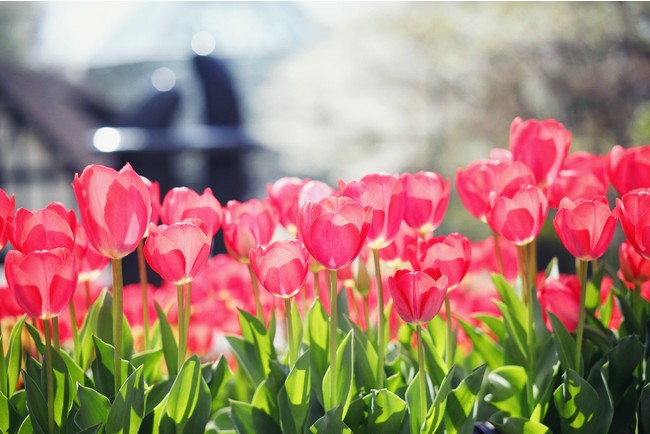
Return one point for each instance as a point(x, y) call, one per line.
point(441, 349)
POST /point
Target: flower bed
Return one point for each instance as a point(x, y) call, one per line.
point(336, 310)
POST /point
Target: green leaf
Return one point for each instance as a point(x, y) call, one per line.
point(436, 329)
point(461, 402)
point(435, 365)
point(495, 324)
point(4, 412)
point(566, 345)
point(36, 337)
point(26, 427)
point(104, 326)
point(36, 402)
point(644, 409)
point(436, 413)
point(386, 411)
point(486, 347)
point(170, 349)
point(318, 332)
point(127, 411)
point(294, 396)
point(77, 375)
point(412, 395)
point(344, 376)
point(506, 390)
point(103, 368)
point(598, 378)
point(14, 356)
point(201, 414)
point(250, 420)
point(87, 331)
point(331, 423)
point(365, 359)
point(150, 360)
point(297, 325)
point(577, 403)
point(219, 376)
point(185, 391)
point(624, 359)
point(64, 388)
point(93, 408)
point(517, 425)
point(546, 368)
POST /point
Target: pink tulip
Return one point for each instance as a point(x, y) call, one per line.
point(585, 227)
point(44, 229)
point(418, 295)
point(154, 194)
point(396, 252)
point(182, 203)
point(247, 225)
point(43, 281)
point(283, 195)
point(115, 208)
point(541, 145)
point(7, 207)
point(583, 176)
point(484, 258)
point(281, 267)
point(635, 269)
point(91, 263)
point(450, 254)
point(314, 191)
point(334, 230)
point(178, 252)
point(629, 169)
point(634, 211)
point(484, 177)
point(518, 215)
point(562, 298)
point(384, 194)
point(426, 196)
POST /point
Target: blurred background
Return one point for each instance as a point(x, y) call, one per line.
point(233, 95)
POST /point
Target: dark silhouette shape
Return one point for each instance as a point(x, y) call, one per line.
point(157, 111)
point(220, 98)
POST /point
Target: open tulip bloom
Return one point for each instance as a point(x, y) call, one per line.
point(519, 347)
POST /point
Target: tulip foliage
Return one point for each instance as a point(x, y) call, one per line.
point(337, 310)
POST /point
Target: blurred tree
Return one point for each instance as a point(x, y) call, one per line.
point(18, 30)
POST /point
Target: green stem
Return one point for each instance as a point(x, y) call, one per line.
point(188, 313)
point(636, 300)
point(422, 372)
point(75, 332)
point(117, 322)
point(381, 320)
point(449, 354)
point(366, 313)
point(55, 333)
point(50, 377)
point(316, 286)
point(181, 325)
point(142, 269)
point(497, 251)
point(333, 332)
point(256, 293)
point(530, 335)
point(290, 337)
point(581, 271)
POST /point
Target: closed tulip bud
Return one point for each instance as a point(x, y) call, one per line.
point(281, 267)
point(247, 225)
point(635, 269)
point(182, 203)
point(7, 207)
point(629, 168)
point(426, 196)
point(284, 194)
point(44, 229)
point(518, 215)
point(634, 209)
point(418, 295)
point(450, 254)
point(561, 297)
point(90, 261)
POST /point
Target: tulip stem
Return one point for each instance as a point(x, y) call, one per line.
point(316, 286)
point(380, 320)
point(55, 333)
point(449, 354)
point(290, 337)
point(181, 325)
point(636, 301)
point(366, 313)
point(333, 332)
point(256, 293)
point(530, 335)
point(75, 332)
point(117, 322)
point(188, 312)
point(142, 269)
point(50, 376)
point(423, 379)
point(497, 251)
point(581, 271)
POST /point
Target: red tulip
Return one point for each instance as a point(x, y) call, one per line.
point(334, 230)
point(629, 169)
point(43, 281)
point(115, 208)
point(450, 254)
point(44, 229)
point(7, 207)
point(247, 225)
point(418, 295)
point(384, 194)
point(314, 191)
point(518, 215)
point(583, 176)
point(281, 267)
point(634, 211)
point(178, 252)
point(635, 269)
point(541, 145)
point(284, 194)
point(396, 252)
point(585, 227)
point(562, 298)
point(90, 261)
point(154, 194)
point(426, 196)
point(182, 203)
point(481, 178)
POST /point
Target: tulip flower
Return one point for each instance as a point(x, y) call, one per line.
point(541, 145)
point(247, 225)
point(450, 254)
point(634, 211)
point(154, 193)
point(115, 208)
point(583, 176)
point(629, 169)
point(283, 195)
point(518, 215)
point(426, 196)
point(585, 227)
point(44, 229)
point(314, 191)
point(90, 261)
point(635, 269)
point(7, 207)
point(182, 203)
point(561, 296)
